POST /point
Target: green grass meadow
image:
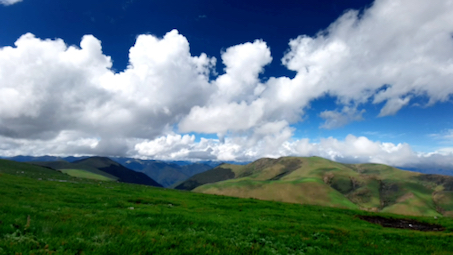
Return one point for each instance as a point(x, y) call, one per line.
point(47, 212)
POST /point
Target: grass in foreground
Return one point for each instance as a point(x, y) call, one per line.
point(91, 217)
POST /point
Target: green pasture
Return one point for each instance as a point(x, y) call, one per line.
point(47, 212)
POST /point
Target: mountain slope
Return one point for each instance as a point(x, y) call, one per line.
point(113, 168)
point(211, 176)
point(315, 180)
point(62, 165)
point(27, 170)
point(166, 173)
point(105, 167)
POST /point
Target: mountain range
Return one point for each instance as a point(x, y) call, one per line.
point(166, 173)
point(315, 180)
point(310, 180)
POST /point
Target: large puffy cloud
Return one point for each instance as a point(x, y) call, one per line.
point(391, 52)
point(48, 88)
point(67, 99)
point(235, 105)
point(160, 86)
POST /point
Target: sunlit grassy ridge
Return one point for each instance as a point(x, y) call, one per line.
point(63, 165)
point(319, 181)
point(85, 174)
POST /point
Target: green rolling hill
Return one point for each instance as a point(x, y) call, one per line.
point(318, 181)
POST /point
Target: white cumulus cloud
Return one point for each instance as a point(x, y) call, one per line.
point(48, 87)
point(350, 150)
point(393, 52)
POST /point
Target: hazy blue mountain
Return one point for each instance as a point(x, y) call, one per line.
point(73, 159)
point(22, 158)
point(430, 171)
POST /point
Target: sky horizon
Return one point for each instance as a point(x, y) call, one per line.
point(352, 81)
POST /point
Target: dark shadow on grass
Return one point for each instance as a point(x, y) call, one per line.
point(401, 223)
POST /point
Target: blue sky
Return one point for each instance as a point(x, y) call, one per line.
point(210, 26)
point(354, 81)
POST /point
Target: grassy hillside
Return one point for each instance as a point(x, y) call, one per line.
point(85, 174)
point(39, 214)
point(32, 171)
point(104, 167)
point(319, 181)
point(61, 164)
point(166, 173)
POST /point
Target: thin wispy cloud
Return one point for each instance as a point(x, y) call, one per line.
point(336, 119)
point(446, 136)
point(9, 2)
point(383, 135)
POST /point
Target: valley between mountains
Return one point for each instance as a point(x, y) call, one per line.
point(301, 180)
point(148, 172)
